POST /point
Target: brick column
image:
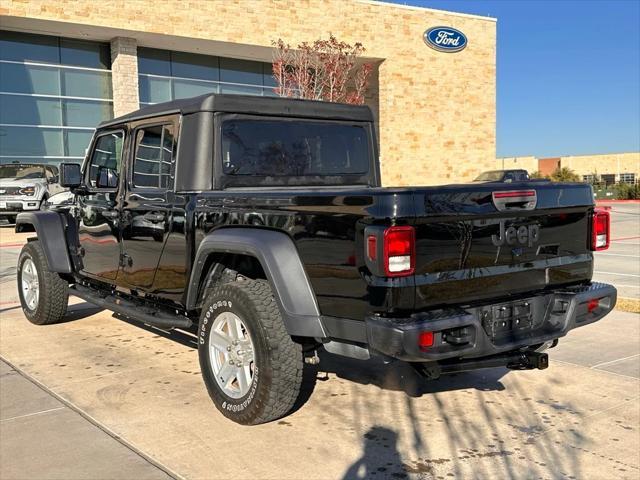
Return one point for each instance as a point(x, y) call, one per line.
point(124, 75)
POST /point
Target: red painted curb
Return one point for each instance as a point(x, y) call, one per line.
point(624, 238)
point(617, 201)
point(9, 245)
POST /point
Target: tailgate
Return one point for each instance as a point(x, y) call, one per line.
point(487, 241)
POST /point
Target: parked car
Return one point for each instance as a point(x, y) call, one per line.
point(278, 240)
point(25, 187)
point(506, 176)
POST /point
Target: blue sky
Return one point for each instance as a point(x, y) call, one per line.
point(568, 74)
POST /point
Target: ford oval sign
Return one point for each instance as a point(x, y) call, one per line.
point(445, 39)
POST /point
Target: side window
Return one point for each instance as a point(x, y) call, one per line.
point(48, 173)
point(154, 157)
point(106, 156)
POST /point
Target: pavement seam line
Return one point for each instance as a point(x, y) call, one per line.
point(95, 422)
point(598, 370)
point(616, 273)
point(614, 361)
point(33, 414)
point(590, 415)
point(98, 377)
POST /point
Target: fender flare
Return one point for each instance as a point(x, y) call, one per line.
point(281, 263)
point(50, 231)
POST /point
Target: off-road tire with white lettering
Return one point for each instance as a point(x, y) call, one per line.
point(278, 364)
point(54, 291)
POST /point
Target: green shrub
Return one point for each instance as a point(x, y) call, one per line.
point(627, 191)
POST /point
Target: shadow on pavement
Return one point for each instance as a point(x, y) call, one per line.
point(400, 376)
point(377, 458)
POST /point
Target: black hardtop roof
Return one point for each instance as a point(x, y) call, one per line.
point(276, 106)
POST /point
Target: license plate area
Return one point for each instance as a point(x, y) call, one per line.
point(507, 320)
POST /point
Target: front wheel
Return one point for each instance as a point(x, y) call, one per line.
point(43, 294)
point(250, 365)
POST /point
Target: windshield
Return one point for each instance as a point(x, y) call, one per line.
point(21, 172)
point(489, 177)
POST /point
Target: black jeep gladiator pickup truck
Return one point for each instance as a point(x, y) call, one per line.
point(260, 224)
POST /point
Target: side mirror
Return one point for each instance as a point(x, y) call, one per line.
point(53, 179)
point(107, 178)
point(70, 175)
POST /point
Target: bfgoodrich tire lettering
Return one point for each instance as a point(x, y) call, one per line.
point(277, 360)
point(53, 294)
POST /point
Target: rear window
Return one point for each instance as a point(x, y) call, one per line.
point(294, 148)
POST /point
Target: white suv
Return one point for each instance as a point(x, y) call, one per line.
point(25, 187)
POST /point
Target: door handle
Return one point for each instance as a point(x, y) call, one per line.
point(154, 217)
point(110, 214)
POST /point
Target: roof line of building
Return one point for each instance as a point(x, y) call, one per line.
point(426, 9)
point(568, 156)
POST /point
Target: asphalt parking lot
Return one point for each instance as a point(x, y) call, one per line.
point(100, 397)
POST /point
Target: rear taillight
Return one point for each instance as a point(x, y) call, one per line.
point(399, 252)
point(600, 230)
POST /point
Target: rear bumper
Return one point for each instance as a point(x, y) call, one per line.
point(490, 329)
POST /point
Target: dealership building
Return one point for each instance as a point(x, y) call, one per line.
point(67, 65)
point(607, 168)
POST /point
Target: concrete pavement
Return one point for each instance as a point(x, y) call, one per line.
point(569, 421)
point(580, 418)
point(41, 437)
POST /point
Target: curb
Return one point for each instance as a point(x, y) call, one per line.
point(628, 305)
point(616, 201)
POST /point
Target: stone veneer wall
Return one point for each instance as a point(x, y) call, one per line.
point(436, 110)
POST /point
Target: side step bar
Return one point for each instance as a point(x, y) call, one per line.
point(131, 309)
point(515, 361)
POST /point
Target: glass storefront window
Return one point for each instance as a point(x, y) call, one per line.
point(20, 78)
point(27, 110)
point(154, 62)
point(85, 54)
point(241, 71)
point(30, 141)
point(166, 75)
point(80, 113)
point(53, 93)
point(85, 83)
point(241, 89)
point(76, 142)
point(191, 65)
point(22, 47)
point(192, 88)
point(154, 89)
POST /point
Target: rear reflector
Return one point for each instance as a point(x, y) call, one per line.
point(425, 340)
point(600, 229)
point(399, 251)
point(372, 248)
point(593, 304)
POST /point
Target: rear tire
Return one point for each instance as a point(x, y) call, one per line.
point(271, 359)
point(43, 294)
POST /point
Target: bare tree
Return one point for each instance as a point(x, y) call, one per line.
point(324, 70)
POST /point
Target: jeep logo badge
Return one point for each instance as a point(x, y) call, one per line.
point(524, 235)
